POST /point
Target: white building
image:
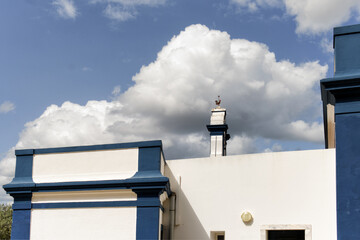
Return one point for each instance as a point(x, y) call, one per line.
point(129, 191)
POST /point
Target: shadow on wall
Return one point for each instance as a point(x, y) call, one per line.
point(187, 224)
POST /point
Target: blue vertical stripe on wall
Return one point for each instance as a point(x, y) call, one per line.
point(348, 175)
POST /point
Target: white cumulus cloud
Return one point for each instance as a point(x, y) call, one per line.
point(65, 8)
point(172, 97)
point(6, 107)
point(315, 16)
point(311, 16)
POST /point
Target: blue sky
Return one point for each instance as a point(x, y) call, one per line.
point(152, 68)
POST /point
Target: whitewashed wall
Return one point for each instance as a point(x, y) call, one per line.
point(285, 189)
point(84, 223)
point(85, 166)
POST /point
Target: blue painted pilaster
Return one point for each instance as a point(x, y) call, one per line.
point(343, 91)
point(20, 190)
point(147, 220)
point(348, 175)
point(147, 225)
point(21, 216)
point(148, 217)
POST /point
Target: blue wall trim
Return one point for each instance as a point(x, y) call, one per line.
point(160, 182)
point(154, 143)
point(347, 107)
point(350, 29)
point(217, 128)
point(341, 92)
point(334, 80)
point(135, 203)
point(217, 133)
point(24, 152)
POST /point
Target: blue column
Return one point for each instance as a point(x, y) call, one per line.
point(147, 221)
point(348, 175)
point(148, 213)
point(148, 195)
point(21, 216)
point(343, 91)
point(20, 190)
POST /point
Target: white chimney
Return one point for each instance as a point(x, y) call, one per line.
point(218, 130)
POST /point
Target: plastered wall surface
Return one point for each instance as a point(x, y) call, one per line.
point(75, 223)
point(85, 166)
point(278, 189)
point(84, 196)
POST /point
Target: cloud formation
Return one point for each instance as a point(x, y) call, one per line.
point(311, 16)
point(6, 107)
point(7, 170)
point(253, 6)
point(136, 2)
point(119, 13)
point(124, 10)
point(65, 8)
point(86, 69)
point(172, 97)
point(116, 91)
point(316, 16)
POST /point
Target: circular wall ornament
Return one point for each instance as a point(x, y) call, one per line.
point(246, 217)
